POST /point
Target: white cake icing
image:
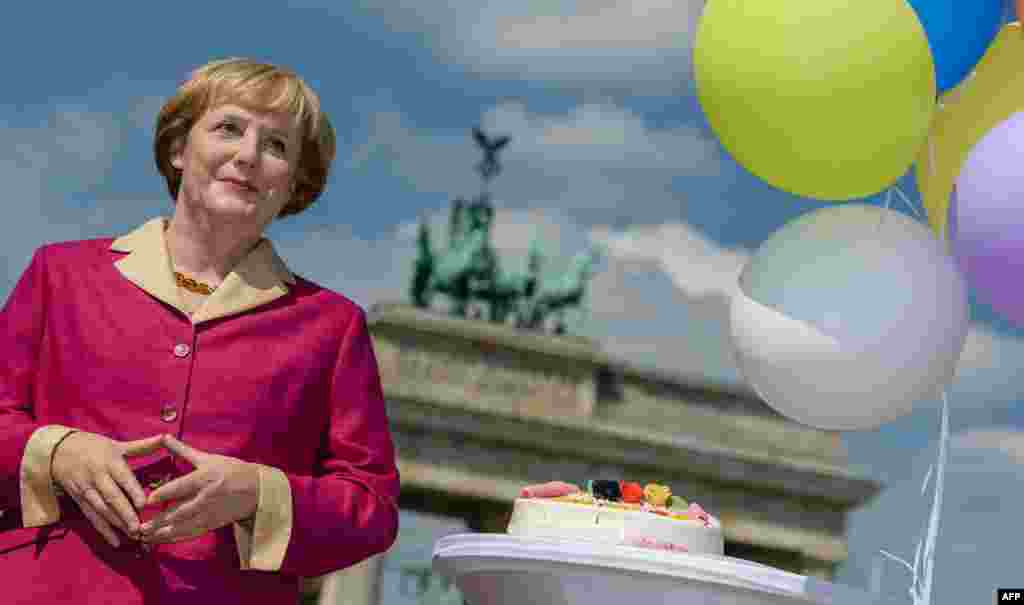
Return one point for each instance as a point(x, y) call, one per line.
point(551, 518)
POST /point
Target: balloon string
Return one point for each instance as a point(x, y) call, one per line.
point(936, 512)
point(906, 200)
point(923, 567)
point(931, 165)
point(903, 197)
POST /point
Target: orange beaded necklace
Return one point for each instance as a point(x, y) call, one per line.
point(192, 285)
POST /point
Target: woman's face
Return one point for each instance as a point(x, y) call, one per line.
point(238, 164)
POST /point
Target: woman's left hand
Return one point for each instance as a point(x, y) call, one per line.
point(221, 490)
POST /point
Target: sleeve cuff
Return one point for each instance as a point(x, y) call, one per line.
point(38, 494)
point(263, 541)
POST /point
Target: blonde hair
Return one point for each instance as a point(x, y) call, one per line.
point(257, 86)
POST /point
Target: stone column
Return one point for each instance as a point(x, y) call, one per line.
point(356, 585)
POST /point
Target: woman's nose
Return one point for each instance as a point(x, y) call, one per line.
point(248, 149)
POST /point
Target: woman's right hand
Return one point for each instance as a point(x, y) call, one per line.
point(551, 489)
point(92, 470)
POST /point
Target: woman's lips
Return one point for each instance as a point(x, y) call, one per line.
point(239, 186)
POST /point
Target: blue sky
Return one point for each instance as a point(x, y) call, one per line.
point(609, 145)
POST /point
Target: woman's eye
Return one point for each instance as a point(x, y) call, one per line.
point(228, 127)
point(278, 145)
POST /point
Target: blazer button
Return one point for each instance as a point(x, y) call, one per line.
point(169, 412)
point(182, 350)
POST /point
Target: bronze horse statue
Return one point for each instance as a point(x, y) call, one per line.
point(468, 259)
point(468, 273)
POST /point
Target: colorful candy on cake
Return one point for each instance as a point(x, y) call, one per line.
point(620, 512)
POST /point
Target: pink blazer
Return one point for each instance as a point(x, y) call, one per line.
point(291, 384)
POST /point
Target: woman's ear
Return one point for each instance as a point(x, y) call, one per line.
point(177, 156)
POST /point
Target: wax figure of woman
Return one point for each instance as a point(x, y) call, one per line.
point(183, 373)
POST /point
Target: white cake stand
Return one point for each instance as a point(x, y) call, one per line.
point(499, 569)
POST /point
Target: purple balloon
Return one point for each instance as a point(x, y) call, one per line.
point(986, 212)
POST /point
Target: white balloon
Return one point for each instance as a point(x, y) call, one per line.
point(847, 316)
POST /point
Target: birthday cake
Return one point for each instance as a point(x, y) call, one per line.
point(616, 512)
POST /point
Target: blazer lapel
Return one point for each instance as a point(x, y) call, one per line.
point(148, 265)
point(261, 277)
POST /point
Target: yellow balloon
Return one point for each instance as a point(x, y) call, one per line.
point(967, 113)
point(828, 99)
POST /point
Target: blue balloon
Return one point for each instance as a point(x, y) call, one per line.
point(959, 32)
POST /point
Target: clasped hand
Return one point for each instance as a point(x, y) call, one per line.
point(92, 469)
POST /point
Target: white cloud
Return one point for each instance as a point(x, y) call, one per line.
point(704, 272)
point(698, 266)
point(616, 139)
point(429, 162)
point(662, 299)
point(1007, 441)
point(633, 309)
point(597, 159)
point(72, 145)
point(143, 112)
point(667, 290)
point(367, 270)
point(635, 25)
point(640, 45)
point(42, 166)
point(989, 375)
point(84, 135)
